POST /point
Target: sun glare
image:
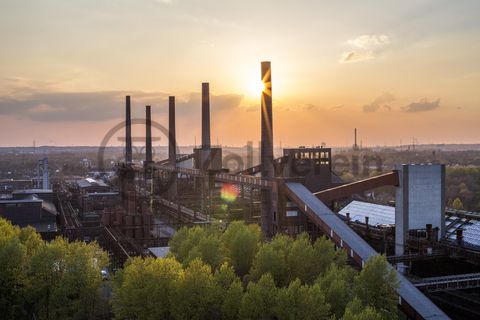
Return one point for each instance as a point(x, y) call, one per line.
point(255, 88)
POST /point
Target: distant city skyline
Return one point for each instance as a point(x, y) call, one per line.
point(394, 70)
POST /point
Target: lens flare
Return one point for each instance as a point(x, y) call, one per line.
point(228, 193)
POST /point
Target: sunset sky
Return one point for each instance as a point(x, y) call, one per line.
point(393, 69)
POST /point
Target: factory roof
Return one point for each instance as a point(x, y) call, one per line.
point(159, 252)
point(89, 182)
point(471, 231)
point(29, 198)
point(49, 207)
point(381, 215)
point(377, 214)
point(32, 198)
point(31, 191)
point(99, 194)
point(15, 180)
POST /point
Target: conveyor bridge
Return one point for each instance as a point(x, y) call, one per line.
point(412, 300)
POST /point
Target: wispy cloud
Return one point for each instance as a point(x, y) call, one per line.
point(422, 105)
point(104, 105)
point(379, 102)
point(364, 47)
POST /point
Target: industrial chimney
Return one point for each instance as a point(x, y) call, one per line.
point(267, 122)
point(205, 116)
point(128, 132)
point(266, 152)
point(148, 134)
point(172, 151)
point(355, 145)
point(172, 147)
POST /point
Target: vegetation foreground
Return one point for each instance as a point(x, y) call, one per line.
point(210, 274)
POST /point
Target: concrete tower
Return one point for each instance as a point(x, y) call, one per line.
point(420, 200)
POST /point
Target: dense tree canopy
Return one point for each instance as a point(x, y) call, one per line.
point(241, 243)
point(287, 259)
point(204, 278)
point(237, 245)
point(144, 287)
point(462, 187)
point(286, 278)
point(51, 280)
point(373, 286)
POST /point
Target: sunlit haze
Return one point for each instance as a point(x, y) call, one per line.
point(396, 70)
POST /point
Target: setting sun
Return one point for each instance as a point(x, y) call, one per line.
point(255, 87)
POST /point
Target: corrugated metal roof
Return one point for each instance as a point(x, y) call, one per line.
point(159, 252)
point(377, 214)
point(471, 231)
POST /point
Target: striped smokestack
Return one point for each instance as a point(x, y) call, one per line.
point(128, 132)
point(205, 116)
point(148, 134)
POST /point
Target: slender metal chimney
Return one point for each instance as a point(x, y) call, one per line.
point(355, 145)
point(172, 148)
point(266, 152)
point(205, 116)
point(148, 134)
point(128, 132)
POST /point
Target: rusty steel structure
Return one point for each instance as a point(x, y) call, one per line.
point(349, 189)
